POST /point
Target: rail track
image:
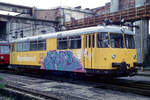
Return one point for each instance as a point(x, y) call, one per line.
point(19, 92)
point(137, 87)
point(123, 85)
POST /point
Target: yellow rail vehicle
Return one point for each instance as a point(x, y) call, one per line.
point(100, 50)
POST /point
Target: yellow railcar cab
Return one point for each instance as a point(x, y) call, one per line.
point(103, 50)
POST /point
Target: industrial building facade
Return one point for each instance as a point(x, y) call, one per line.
point(13, 28)
point(63, 14)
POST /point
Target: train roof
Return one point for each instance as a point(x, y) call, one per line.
point(112, 29)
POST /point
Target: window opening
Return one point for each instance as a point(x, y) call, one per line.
point(75, 42)
point(116, 40)
point(129, 41)
point(41, 45)
point(62, 43)
point(102, 40)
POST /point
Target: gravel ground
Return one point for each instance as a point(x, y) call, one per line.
point(74, 91)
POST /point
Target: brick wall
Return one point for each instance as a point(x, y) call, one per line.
point(50, 14)
point(148, 1)
point(126, 4)
point(102, 10)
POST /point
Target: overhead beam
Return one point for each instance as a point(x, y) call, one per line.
point(18, 19)
point(132, 15)
point(15, 8)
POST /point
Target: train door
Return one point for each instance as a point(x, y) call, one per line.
point(88, 50)
point(102, 51)
point(93, 49)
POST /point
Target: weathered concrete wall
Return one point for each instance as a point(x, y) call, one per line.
point(114, 5)
point(19, 30)
point(62, 15)
point(102, 10)
point(142, 39)
point(75, 14)
point(140, 3)
point(142, 34)
point(3, 29)
point(71, 14)
point(16, 8)
point(50, 14)
point(126, 4)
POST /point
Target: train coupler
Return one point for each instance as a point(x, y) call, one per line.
point(122, 65)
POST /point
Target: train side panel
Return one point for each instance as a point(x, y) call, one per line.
point(94, 53)
point(104, 60)
point(51, 59)
point(62, 60)
point(51, 44)
point(4, 59)
point(76, 60)
point(4, 53)
point(32, 58)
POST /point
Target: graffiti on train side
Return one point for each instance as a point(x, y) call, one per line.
point(63, 61)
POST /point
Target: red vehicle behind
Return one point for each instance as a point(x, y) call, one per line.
point(4, 53)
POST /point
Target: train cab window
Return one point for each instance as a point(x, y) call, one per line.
point(19, 47)
point(42, 45)
point(33, 45)
point(75, 42)
point(62, 43)
point(116, 40)
point(102, 40)
point(26, 46)
point(129, 41)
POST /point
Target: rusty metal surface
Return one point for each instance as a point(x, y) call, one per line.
point(132, 14)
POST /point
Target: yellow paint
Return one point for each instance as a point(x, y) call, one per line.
point(104, 58)
point(91, 58)
point(33, 56)
point(83, 50)
point(51, 44)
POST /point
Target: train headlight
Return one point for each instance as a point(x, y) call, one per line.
point(134, 56)
point(114, 56)
point(2, 57)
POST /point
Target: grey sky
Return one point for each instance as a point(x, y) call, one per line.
point(47, 4)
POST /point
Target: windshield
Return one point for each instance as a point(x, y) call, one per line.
point(116, 40)
point(102, 40)
point(129, 40)
point(4, 49)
